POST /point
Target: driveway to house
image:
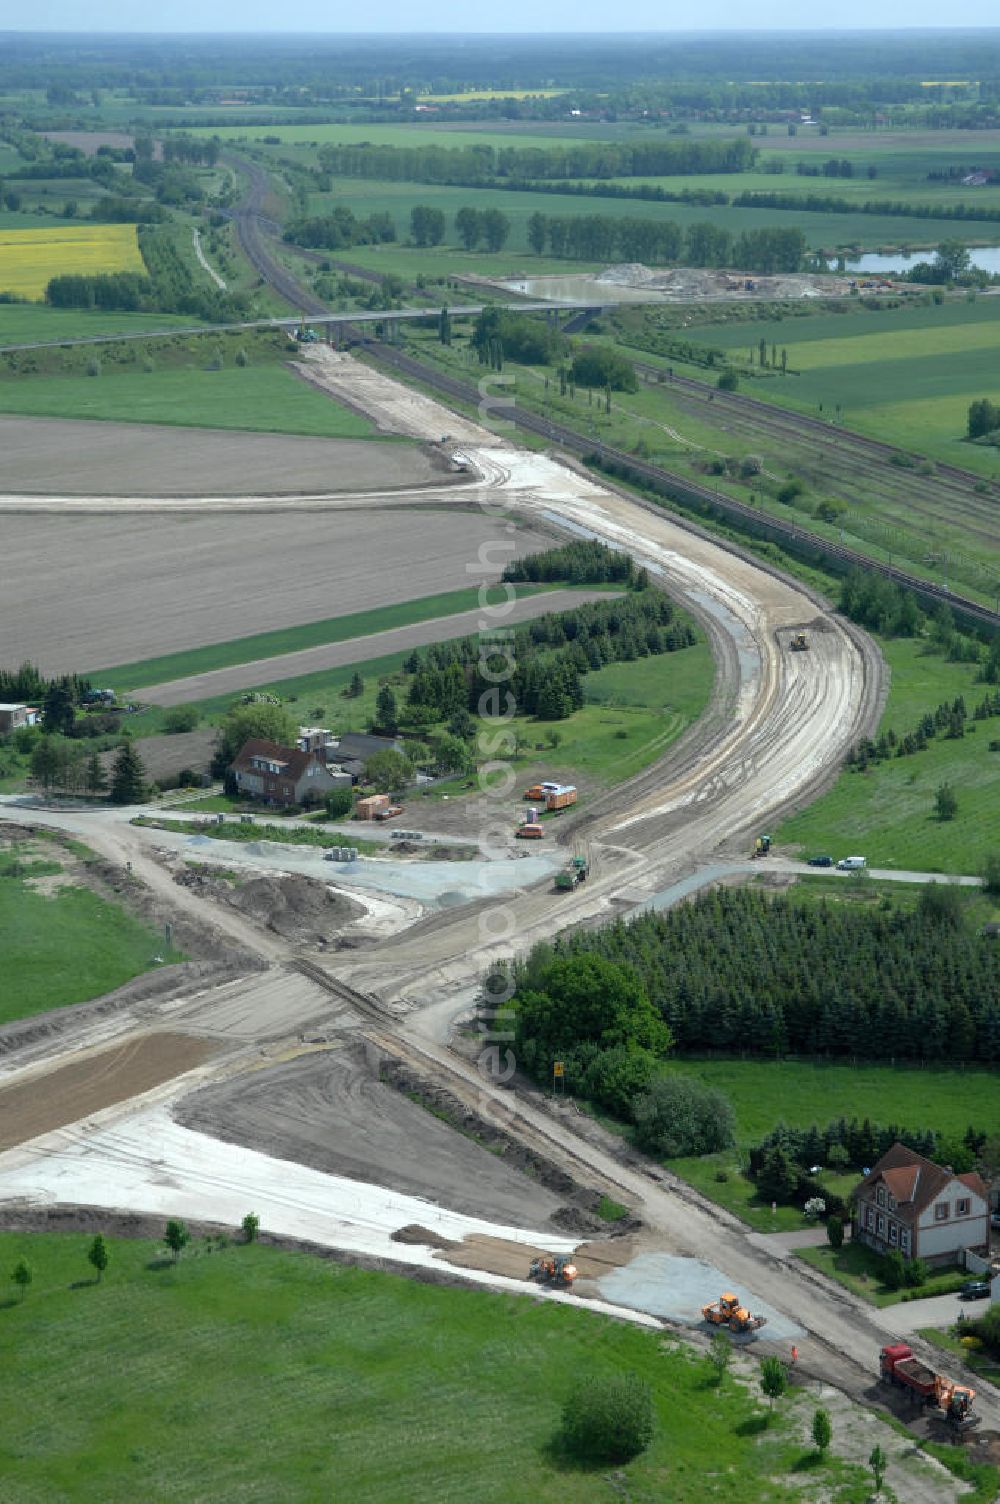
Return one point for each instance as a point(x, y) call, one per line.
point(936, 1310)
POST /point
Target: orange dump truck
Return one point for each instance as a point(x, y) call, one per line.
point(560, 797)
point(540, 791)
point(899, 1366)
point(368, 809)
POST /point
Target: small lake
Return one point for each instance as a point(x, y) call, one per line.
point(985, 258)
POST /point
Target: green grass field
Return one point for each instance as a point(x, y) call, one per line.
point(264, 399)
point(258, 1374)
point(800, 1093)
point(333, 134)
point(683, 429)
point(293, 639)
point(903, 375)
point(67, 948)
point(888, 814)
point(822, 231)
point(24, 322)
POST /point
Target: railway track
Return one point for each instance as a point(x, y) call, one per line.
point(627, 466)
point(862, 463)
point(677, 488)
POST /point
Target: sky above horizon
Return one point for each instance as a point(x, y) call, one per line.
point(517, 16)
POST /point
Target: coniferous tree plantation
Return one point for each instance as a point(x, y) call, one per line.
point(737, 971)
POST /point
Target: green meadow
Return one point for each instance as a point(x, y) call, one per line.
point(903, 375)
point(266, 399)
point(888, 813)
point(249, 1372)
point(822, 231)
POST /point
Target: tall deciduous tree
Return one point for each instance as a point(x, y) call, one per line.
point(773, 1379)
point(271, 723)
point(537, 232)
point(469, 227)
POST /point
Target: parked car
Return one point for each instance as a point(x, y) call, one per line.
point(975, 1289)
point(820, 861)
point(850, 864)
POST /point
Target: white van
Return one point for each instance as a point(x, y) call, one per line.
point(850, 863)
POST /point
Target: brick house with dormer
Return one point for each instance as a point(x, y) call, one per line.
point(924, 1210)
point(284, 775)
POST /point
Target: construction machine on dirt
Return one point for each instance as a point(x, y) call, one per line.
point(800, 643)
point(557, 1270)
point(728, 1311)
point(761, 847)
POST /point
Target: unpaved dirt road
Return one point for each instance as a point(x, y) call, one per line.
point(83, 592)
point(262, 671)
point(778, 726)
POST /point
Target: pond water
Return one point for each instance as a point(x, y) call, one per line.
point(984, 258)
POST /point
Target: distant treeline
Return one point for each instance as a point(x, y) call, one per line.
point(598, 237)
point(126, 291)
point(27, 685)
point(823, 203)
point(581, 159)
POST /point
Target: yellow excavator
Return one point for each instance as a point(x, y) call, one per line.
point(800, 643)
point(728, 1311)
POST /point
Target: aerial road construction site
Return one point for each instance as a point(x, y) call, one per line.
point(339, 1090)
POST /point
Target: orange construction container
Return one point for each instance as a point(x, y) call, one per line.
point(529, 832)
point(560, 798)
point(367, 809)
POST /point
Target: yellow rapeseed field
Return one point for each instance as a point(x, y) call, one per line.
point(29, 258)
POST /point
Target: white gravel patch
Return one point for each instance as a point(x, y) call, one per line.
point(147, 1163)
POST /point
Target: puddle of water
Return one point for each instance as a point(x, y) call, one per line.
point(985, 258)
point(666, 1285)
point(581, 289)
point(746, 648)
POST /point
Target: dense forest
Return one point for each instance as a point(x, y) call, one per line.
point(735, 970)
point(544, 664)
point(584, 561)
